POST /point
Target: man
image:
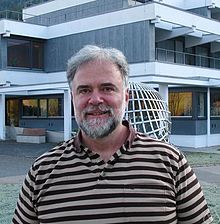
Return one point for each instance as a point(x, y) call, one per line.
point(109, 173)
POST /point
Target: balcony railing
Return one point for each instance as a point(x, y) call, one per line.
point(18, 16)
point(187, 58)
point(8, 14)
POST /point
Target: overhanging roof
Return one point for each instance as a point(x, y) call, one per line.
point(39, 89)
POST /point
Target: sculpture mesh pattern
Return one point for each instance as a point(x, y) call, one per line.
point(148, 112)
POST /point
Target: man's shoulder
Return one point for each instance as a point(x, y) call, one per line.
point(147, 142)
point(55, 154)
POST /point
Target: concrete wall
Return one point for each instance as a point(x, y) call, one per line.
point(136, 40)
point(3, 52)
point(51, 136)
point(77, 12)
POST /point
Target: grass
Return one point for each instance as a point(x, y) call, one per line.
point(212, 195)
point(202, 158)
point(211, 192)
point(8, 198)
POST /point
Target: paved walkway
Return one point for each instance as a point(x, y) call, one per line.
point(208, 174)
point(16, 159)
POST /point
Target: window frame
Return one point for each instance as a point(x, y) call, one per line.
point(31, 43)
point(61, 109)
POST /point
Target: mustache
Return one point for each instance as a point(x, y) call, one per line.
point(100, 107)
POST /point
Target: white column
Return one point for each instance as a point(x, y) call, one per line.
point(208, 116)
point(2, 117)
point(163, 91)
point(67, 115)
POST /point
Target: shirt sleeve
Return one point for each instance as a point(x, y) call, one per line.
point(25, 212)
point(191, 204)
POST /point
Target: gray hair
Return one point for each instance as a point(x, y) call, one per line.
point(91, 53)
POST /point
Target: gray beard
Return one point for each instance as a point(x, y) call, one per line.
point(96, 128)
point(100, 127)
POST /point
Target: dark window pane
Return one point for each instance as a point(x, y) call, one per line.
point(12, 115)
point(30, 107)
point(215, 103)
point(37, 55)
point(19, 53)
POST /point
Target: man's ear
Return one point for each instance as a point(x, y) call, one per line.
point(127, 95)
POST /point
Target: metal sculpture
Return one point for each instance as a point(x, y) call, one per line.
point(148, 112)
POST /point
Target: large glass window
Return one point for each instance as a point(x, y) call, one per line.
point(30, 108)
point(25, 54)
point(54, 107)
point(215, 103)
point(42, 108)
point(180, 103)
point(19, 53)
point(190, 57)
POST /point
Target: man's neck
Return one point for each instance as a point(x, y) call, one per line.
point(108, 145)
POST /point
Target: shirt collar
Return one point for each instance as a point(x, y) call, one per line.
point(78, 138)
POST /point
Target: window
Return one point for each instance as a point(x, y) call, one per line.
point(42, 108)
point(180, 103)
point(54, 107)
point(190, 56)
point(12, 109)
point(201, 104)
point(202, 56)
point(37, 53)
point(19, 53)
point(30, 108)
point(25, 54)
point(215, 103)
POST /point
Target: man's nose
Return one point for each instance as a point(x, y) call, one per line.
point(95, 98)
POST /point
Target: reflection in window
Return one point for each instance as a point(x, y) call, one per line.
point(201, 105)
point(30, 107)
point(43, 108)
point(215, 103)
point(18, 53)
point(25, 54)
point(54, 107)
point(180, 103)
point(37, 52)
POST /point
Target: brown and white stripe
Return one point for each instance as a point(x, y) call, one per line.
point(145, 181)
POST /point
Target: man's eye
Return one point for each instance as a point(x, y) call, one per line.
point(84, 91)
point(108, 89)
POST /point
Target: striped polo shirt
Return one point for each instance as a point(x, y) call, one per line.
point(145, 181)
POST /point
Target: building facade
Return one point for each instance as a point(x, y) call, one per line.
point(171, 45)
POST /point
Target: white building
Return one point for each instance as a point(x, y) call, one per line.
point(174, 45)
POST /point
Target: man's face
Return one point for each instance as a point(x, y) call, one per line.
point(99, 98)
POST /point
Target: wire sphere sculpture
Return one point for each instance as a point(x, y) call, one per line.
point(148, 112)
